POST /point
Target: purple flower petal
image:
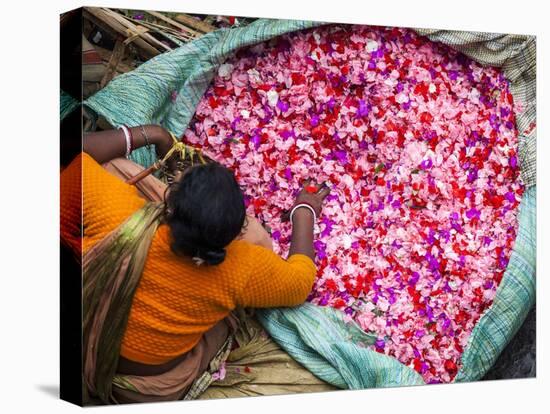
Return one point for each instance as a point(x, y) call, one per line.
point(320, 249)
point(473, 212)
point(424, 367)
point(256, 140)
point(488, 284)
point(431, 237)
point(235, 122)
point(472, 175)
point(363, 109)
point(341, 156)
point(286, 134)
point(288, 174)
point(510, 196)
point(513, 162)
point(414, 278)
point(504, 112)
point(396, 204)
point(314, 121)
point(503, 262)
point(283, 106)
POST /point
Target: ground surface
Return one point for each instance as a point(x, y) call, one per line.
point(518, 360)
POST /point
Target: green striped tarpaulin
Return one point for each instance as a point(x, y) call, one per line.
point(335, 351)
point(167, 89)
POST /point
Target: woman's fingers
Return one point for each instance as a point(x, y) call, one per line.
point(323, 192)
point(321, 186)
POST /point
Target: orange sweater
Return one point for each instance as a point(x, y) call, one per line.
point(176, 301)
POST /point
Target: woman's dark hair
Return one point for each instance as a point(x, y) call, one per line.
point(205, 212)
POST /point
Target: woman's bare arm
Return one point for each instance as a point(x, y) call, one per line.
point(302, 233)
point(303, 220)
point(103, 146)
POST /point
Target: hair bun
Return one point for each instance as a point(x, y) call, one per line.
point(212, 256)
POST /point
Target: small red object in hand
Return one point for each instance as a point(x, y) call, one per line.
point(311, 189)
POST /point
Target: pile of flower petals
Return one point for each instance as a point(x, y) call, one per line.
point(419, 147)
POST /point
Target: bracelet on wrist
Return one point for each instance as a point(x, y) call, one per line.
point(129, 139)
point(145, 137)
point(303, 205)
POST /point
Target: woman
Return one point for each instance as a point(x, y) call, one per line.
point(199, 264)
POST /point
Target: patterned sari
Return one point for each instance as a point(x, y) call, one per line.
point(111, 273)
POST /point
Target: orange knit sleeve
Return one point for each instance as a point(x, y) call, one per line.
point(107, 201)
point(275, 282)
point(70, 205)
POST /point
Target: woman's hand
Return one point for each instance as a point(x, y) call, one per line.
point(163, 143)
point(313, 195)
point(162, 139)
point(302, 222)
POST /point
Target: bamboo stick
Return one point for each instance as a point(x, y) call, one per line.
point(135, 29)
point(163, 30)
point(116, 57)
point(142, 174)
point(194, 23)
point(102, 19)
point(105, 54)
point(173, 22)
